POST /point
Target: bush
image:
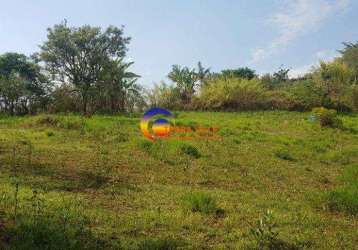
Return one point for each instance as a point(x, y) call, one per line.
point(47, 120)
point(327, 117)
point(200, 202)
point(305, 95)
point(231, 94)
point(278, 99)
point(190, 150)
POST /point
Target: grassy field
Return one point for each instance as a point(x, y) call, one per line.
point(272, 180)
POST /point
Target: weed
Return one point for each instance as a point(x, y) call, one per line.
point(265, 234)
point(200, 202)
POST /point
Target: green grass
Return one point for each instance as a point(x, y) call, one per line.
point(98, 183)
point(345, 197)
point(200, 202)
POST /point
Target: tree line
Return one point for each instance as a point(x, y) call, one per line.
point(84, 69)
point(332, 85)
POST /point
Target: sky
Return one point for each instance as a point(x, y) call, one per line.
point(262, 34)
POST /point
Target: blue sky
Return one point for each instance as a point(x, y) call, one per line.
point(220, 33)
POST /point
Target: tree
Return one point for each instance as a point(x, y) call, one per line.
point(120, 86)
point(202, 73)
point(186, 80)
point(350, 57)
point(245, 72)
point(335, 80)
point(281, 75)
point(78, 54)
point(21, 83)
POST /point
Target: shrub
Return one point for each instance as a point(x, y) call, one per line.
point(47, 120)
point(200, 202)
point(278, 99)
point(231, 94)
point(190, 150)
point(305, 95)
point(327, 117)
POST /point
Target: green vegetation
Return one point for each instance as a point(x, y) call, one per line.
point(199, 202)
point(345, 197)
point(72, 182)
point(328, 117)
point(93, 181)
point(85, 70)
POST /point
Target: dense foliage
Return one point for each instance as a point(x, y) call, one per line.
point(84, 69)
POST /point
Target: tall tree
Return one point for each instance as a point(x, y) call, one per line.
point(202, 73)
point(78, 54)
point(186, 80)
point(119, 85)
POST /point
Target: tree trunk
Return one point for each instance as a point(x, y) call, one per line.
point(84, 103)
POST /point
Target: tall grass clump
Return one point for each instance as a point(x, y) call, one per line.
point(231, 93)
point(327, 117)
point(199, 202)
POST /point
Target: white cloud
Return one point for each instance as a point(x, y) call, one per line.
point(300, 71)
point(296, 18)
